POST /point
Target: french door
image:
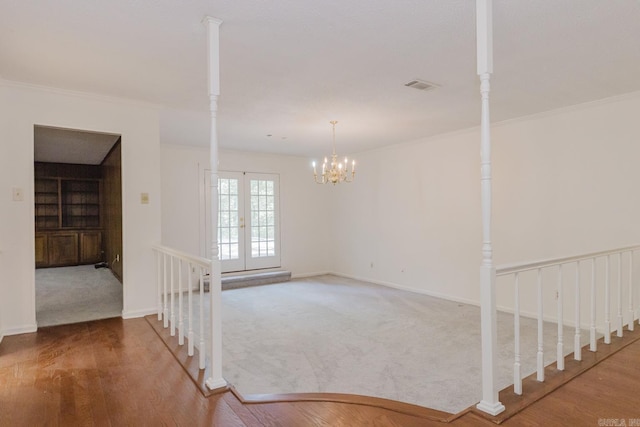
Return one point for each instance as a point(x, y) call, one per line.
point(248, 220)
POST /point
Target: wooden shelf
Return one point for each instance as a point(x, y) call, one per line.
point(68, 218)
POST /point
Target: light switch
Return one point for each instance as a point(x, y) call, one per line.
point(144, 198)
point(18, 194)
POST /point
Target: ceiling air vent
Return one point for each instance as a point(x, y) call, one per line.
point(421, 85)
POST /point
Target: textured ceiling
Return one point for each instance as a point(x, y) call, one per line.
point(291, 66)
point(55, 145)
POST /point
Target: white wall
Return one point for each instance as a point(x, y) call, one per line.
point(26, 106)
point(181, 196)
point(564, 183)
point(411, 218)
point(303, 204)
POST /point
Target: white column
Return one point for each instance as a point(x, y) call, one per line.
point(215, 291)
point(489, 403)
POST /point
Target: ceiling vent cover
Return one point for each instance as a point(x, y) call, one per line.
point(421, 85)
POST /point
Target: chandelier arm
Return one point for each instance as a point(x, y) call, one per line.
point(334, 172)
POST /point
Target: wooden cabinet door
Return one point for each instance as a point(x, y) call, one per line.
point(42, 250)
point(90, 247)
point(63, 249)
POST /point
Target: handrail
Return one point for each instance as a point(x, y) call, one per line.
point(627, 253)
point(203, 262)
point(515, 268)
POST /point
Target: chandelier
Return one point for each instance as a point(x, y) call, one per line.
point(335, 172)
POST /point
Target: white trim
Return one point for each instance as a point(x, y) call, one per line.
point(79, 94)
point(409, 289)
point(509, 269)
point(305, 275)
point(25, 329)
point(254, 271)
point(502, 309)
point(204, 262)
point(587, 105)
point(134, 314)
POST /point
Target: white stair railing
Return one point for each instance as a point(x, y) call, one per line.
point(598, 285)
point(170, 266)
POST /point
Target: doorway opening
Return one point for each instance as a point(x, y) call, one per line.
point(78, 225)
point(248, 220)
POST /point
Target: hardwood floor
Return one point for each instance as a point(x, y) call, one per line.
point(117, 372)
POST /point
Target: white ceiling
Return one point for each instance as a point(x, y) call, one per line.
point(291, 66)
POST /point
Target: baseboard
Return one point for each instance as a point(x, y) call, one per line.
point(26, 329)
point(409, 289)
point(139, 313)
point(305, 275)
point(525, 314)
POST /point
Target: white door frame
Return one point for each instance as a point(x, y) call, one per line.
point(246, 261)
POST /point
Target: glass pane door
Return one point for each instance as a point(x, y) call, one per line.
point(230, 221)
point(248, 223)
point(262, 240)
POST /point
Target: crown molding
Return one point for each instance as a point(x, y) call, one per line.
point(587, 105)
point(535, 116)
point(79, 94)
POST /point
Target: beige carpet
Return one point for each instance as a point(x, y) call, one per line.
point(331, 334)
point(76, 294)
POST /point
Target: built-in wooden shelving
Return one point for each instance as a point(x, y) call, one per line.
point(67, 211)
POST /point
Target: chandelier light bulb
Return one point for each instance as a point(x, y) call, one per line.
point(335, 172)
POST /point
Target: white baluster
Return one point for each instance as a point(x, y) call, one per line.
point(540, 357)
point(593, 346)
point(620, 319)
point(632, 320)
point(560, 346)
point(180, 315)
point(607, 303)
point(201, 348)
point(172, 323)
point(577, 349)
point(517, 375)
point(190, 333)
point(164, 275)
point(159, 282)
